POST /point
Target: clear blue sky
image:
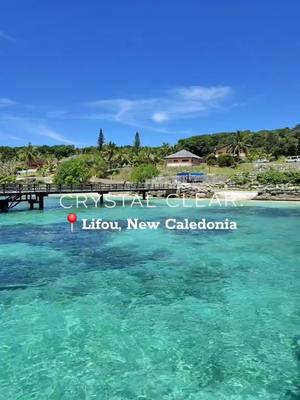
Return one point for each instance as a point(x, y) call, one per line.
point(169, 69)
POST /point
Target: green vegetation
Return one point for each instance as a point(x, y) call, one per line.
point(278, 142)
point(273, 177)
point(101, 139)
point(137, 141)
point(64, 162)
point(226, 160)
point(241, 179)
point(211, 159)
point(143, 172)
point(73, 172)
point(239, 144)
point(81, 169)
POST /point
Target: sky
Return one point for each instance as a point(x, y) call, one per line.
point(168, 69)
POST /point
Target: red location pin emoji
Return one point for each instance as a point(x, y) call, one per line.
point(72, 218)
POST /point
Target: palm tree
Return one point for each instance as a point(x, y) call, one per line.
point(109, 154)
point(165, 149)
point(49, 167)
point(240, 144)
point(28, 154)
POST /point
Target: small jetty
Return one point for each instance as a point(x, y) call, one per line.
point(34, 194)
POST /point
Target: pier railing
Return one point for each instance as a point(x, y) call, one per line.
point(8, 189)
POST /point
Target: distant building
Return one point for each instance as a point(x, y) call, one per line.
point(183, 158)
point(27, 172)
point(226, 149)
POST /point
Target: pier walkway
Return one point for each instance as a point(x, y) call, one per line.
point(13, 194)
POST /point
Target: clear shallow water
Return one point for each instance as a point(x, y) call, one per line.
point(151, 314)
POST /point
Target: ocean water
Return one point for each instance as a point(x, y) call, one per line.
point(151, 315)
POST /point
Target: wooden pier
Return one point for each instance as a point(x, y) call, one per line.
point(34, 194)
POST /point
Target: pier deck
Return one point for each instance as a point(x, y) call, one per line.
point(13, 194)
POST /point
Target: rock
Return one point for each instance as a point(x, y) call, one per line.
point(283, 193)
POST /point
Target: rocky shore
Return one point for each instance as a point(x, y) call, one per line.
point(279, 192)
point(187, 191)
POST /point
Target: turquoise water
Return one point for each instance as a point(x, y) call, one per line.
point(183, 315)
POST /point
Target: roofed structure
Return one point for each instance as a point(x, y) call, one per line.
point(183, 158)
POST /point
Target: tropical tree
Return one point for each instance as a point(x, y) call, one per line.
point(28, 154)
point(258, 154)
point(74, 171)
point(239, 144)
point(137, 141)
point(109, 154)
point(97, 165)
point(226, 160)
point(165, 149)
point(143, 172)
point(49, 167)
point(8, 171)
point(101, 139)
point(147, 155)
point(211, 159)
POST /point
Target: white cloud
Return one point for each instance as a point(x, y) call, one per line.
point(31, 128)
point(160, 117)
point(5, 102)
point(43, 130)
point(176, 104)
point(5, 36)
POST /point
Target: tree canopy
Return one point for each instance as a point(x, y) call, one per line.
point(278, 142)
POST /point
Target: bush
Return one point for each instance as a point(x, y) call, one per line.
point(143, 172)
point(73, 172)
point(276, 177)
point(7, 179)
point(241, 179)
point(211, 159)
point(225, 160)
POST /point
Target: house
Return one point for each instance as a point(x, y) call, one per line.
point(226, 149)
point(183, 158)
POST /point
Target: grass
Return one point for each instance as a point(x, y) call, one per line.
point(208, 170)
point(124, 173)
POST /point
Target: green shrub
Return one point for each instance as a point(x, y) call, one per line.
point(296, 177)
point(225, 160)
point(211, 159)
point(7, 179)
point(273, 177)
point(73, 172)
point(143, 172)
point(241, 179)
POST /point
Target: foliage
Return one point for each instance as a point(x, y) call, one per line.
point(239, 144)
point(49, 167)
point(7, 179)
point(109, 154)
point(241, 178)
point(143, 172)
point(273, 177)
point(137, 141)
point(225, 160)
point(29, 155)
point(258, 154)
point(96, 164)
point(21, 153)
point(101, 139)
point(73, 172)
point(211, 159)
point(278, 142)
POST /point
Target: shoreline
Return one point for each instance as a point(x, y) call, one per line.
point(229, 195)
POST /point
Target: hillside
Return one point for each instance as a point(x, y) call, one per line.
point(278, 142)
